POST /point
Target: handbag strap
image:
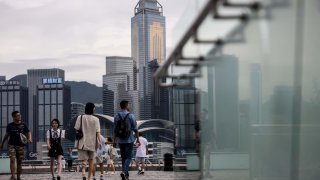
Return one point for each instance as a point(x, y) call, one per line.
point(81, 123)
point(80, 129)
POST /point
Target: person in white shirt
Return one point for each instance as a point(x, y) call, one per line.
point(89, 143)
point(141, 154)
point(54, 137)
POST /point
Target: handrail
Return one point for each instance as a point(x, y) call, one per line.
point(176, 55)
point(191, 31)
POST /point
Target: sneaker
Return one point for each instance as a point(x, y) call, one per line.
point(139, 171)
point(84, 178)
point(94, 178)
point(123, 176)
point(58, 177)
point(53, 178)
point(113, 173)
point(142, 172)
point(101, 177)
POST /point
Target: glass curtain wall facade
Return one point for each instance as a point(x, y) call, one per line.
point(77, 109)
point(115, 90)
point(119, 83)
point(184, 107)
point(260, 88)
point(147, 43)
point(54, 101)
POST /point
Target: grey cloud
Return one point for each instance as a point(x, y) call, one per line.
point(70, 34)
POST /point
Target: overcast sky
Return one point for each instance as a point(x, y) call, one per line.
point(74, 35)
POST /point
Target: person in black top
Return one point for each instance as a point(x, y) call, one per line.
point(54, 136)
point(19, 135)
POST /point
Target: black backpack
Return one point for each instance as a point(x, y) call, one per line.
point(122, 127)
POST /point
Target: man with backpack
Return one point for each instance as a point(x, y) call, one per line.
point(124, 124)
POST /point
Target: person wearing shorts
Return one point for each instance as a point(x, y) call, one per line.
point(89, 143)
point(141, 154)
point(18, 134)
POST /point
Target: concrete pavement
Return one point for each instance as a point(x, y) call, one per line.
point(149, 175)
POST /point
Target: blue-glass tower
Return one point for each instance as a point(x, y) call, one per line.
point(148, 43)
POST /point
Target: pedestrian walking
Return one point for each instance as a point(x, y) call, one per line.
point(124, 126)
point(54, 138)
point(19, 135)
point(111, 155)
point(69, 159)
point(101, 153)
point(141, 153)
point(88, 143)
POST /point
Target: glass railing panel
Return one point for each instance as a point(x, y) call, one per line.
point(248, 97)
point(309, 142)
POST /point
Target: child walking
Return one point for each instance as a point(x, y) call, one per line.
point(101, 152)
point(141, 154)
point(111, 156)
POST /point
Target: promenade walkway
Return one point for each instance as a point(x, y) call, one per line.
point(149, 175)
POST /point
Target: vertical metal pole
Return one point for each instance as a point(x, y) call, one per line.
point(298, 67)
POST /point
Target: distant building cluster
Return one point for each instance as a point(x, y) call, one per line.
point(42, 94)
point(131, 77)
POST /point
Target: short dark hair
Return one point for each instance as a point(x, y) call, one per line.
point(140, 133)
point(56, 120)
point(89, 108)
point(109, 139)
point(124, 104)
point(14, 113)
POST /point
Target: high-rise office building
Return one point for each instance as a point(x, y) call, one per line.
point(120, 64)
point(111, 84)
point(76, 109)
point(13, 97)
point(159, 103)
point(148, 42)
point(183, 114)
point(225, 113)
point(35, 78)
point(119, 83)
point(256, 93)
point(53, 101)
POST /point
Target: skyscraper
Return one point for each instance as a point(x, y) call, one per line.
point(147, 43)
point(77, 109)
point(119, 83)
point(159, 95)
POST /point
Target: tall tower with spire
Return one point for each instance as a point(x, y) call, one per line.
point(148, 43)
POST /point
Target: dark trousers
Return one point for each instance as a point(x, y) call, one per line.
point(126, 156)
